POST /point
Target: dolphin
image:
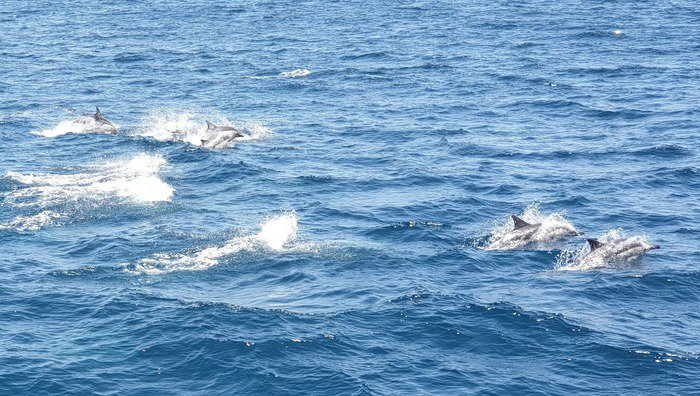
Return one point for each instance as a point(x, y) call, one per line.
point(103, 123)
point(524, 233)
point(220, 136)
point(622, 248)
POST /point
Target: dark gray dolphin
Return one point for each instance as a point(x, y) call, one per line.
point(623, 248)
point(525, 230)
point(524, 233)
point(102, 122)
point(216, 128)
point(220, 136)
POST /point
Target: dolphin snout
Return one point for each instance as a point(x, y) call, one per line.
point(655, 247)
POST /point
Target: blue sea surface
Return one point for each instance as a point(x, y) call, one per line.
point(339, 247)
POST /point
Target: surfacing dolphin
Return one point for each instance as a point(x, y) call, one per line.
point(97, 122)
point(524, 233)
point(619, 249)
point(220, 136)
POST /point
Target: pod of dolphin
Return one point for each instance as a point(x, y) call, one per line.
point(525, 234)
point(218, 136)
point(522, 235)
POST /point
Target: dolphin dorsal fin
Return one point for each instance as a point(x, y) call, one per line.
point(595, 244)
point(97, 113)
point(519, 223)
point(210, 125)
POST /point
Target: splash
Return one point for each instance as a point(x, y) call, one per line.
point(620, 251)
point(80, 125)
point(275, 234)
point(190, 127)
point(32, 223)
point(552, 228)
point(135, 180)
point(295, 73)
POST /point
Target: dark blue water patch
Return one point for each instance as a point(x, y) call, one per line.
point(228, 9)
point(321, 210)
point(505, 190)
point(548, 104)
point(594, 152)
point(568, 201)
point(366, 55)
point(677, 286)
point(689, 173)
point(413, 7)
point(472, 149)
point(528, 45)
point(665, 151)
point(89, 271)
point(19, 55)
point(624, 114)
point(686, 230)
point(235, 172)
point(131, 57)
point(408, 231)
point(653, 285)
point(311, 180)
point(647, 220)
point(99, 249)
point(144, 82)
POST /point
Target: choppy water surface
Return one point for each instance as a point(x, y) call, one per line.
point(346, 244)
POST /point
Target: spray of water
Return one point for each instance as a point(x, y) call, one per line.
point(276, 234)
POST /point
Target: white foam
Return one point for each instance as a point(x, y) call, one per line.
point(618, 251)
point(617, 32)
point(135, 179)
point(553, 227)
point(191, 127)
point(80, 125)
point(295, 73)
point(275, 234)
point(31, 223)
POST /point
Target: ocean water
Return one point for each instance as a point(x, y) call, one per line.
point(342, 246)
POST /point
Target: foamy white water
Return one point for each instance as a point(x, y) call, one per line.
point(135, 179)
point(32, 223)
point(295, 73)
point(80, 125)
point(275, 234)
point(553, 227)
point(191, 127)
